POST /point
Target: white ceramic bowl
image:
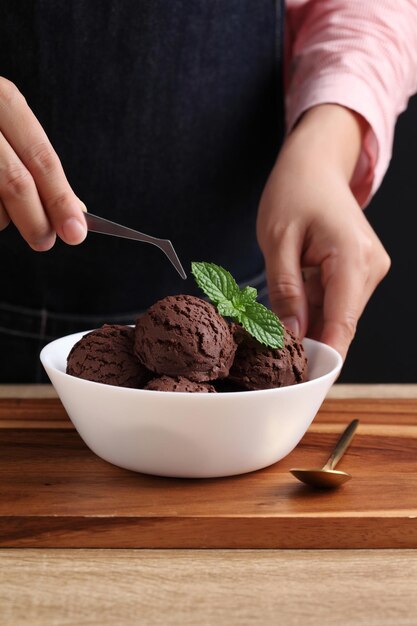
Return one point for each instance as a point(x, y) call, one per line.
point(191, 435)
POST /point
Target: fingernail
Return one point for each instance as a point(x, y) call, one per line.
point(74, 231)
point(291, 323)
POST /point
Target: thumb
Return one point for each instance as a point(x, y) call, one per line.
point(4, 218)
point(285, 283)
point(345, 294)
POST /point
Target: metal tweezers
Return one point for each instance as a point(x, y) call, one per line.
point(106, 227)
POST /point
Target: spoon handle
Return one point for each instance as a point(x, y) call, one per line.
point(341, 445)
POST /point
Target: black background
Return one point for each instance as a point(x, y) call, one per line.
point(385, 346)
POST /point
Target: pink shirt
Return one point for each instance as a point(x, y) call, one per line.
point(361, 54)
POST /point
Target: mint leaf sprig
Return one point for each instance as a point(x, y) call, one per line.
point(239, 304)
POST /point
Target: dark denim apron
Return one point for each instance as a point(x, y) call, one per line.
point(167, 116)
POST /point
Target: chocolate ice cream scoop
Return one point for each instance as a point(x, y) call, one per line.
point(106, 356)
point(258, 367)
point(178, 383)
point(185, 336)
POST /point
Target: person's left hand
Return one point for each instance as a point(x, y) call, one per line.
point(309, 218)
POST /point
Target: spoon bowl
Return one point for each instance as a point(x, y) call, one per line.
point(327, 477)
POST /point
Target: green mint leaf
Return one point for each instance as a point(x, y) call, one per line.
point(248, 295)
point(227, 309)
point(222, 289)
point(217, 283)
point(263, 324)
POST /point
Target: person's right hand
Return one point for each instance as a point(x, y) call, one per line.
point(34, 192)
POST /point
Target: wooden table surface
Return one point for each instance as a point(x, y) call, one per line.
point(49, 587)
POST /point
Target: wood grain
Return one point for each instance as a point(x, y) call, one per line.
point(226, 588)
point(56, 493)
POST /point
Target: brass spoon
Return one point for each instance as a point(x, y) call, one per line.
point(327, 477)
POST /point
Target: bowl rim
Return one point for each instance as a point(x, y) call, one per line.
point(44, 356)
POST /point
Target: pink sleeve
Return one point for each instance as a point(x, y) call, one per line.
point(361, 54)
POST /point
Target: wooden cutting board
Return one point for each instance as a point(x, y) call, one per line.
point(54, 492)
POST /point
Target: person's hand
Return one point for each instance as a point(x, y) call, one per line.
point(323, 260)
point(34, 192)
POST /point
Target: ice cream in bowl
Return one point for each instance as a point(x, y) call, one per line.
point(194, 389)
